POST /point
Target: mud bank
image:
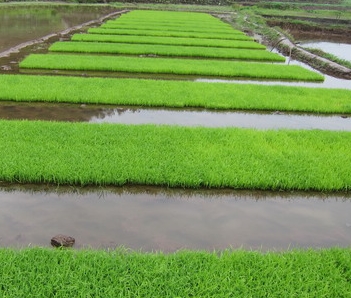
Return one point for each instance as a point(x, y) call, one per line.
point(326, 66)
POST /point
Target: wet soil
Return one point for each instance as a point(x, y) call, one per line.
point(183, 117)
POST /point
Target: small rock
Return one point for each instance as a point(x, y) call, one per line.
point(62, 241)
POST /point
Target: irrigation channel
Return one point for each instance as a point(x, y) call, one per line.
point(150, 218)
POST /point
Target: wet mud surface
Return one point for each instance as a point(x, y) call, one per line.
point(161, 219)
point(183, 117)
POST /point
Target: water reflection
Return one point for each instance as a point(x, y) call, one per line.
point(24, 23)
point(341, 50)
point(168, 220)
point(184, 117)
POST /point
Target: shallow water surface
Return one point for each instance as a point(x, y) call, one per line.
point(183, 117)
point(341, 50)
point(24, 23)
point(161, 219)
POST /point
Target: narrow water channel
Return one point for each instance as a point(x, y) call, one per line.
point(161, 219)
point(183, 117)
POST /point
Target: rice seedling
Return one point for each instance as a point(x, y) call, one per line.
point(165, 50)
point(169, 66)
point(169, 27)
point(174, 156)
point(166, 33)
point(160, 93)
point(126, 273)
point(138, 39)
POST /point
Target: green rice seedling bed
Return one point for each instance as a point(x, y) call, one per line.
point(175, 28)
point(165, 33)
point(169, 16)
point(192, 24)
point(43, 272)
point(165, 50)
point(135, 39)
point(170, 66)
point(174, 156)
point(159, 93)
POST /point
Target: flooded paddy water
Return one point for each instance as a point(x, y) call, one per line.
point(163, 219)
point(150, 218)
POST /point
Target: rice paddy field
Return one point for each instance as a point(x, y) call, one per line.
point(78, 155)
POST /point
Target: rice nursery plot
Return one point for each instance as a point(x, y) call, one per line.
point(169, 27)
point(165, 50)
point(165, 33)
point(199, 67)
point(174, 156)
point(159, 93)
point(137, 39)
point(101, 273)
point(169, 16)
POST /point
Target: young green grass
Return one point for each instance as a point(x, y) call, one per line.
point(165, 50)
point(43, 272)
point(160, 93)
point(182, 41)
point(174, 156)
point(170, 66)
point(166, 33)
point(171, 28)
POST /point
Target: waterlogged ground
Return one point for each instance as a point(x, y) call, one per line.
point(184, 117)
point(156, 218)
point(168, 220)
point(20, 24)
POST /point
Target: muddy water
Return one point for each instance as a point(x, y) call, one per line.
point(188, 117)
point(160, 219)
point(20, 24)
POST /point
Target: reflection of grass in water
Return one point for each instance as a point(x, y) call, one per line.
point(178, 66)
point(103, 154)
point(165, 50)
point(125, 273)
point(159, 93)
point(330, 57)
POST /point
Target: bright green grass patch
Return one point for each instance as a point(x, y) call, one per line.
point(165, 50)
point(42, 272)
point(182, 24)
point(170, 66)
point(174, 156)
point(180, 94)
point(135, 39)
point(171, 28)
point(169, 16)
point(166, 33)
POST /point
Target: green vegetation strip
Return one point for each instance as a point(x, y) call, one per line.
point(171, 28)
point(170, 66)
point(165, 50)
point(166, 33)
point(174, 94)
point(174, 156)
point(135, 39)
point(42, 272)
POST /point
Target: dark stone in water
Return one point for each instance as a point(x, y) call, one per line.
point(62, 241)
